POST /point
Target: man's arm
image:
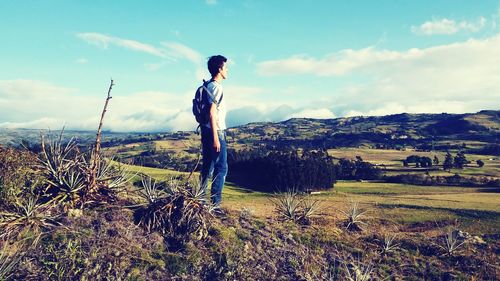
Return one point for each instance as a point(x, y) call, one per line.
point(213, 125)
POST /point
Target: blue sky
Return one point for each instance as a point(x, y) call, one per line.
point(317, 59)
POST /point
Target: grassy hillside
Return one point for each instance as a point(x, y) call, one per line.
point(396, 202)
point(369, 229)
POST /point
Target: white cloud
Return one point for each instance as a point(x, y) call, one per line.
point(320, 113)
point(339, 63)
point(103, 41)
point(459, 77)
point(429, 106)
point(211, 2)
point(42, 105)
point(182, 121)
point(181, 51)
point(352, 113)
point(448, 26)
point(169, 51)
point(42, 123)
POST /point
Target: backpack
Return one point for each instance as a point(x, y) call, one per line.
point(201, 105)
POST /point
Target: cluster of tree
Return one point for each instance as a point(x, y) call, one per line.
point(282, 170)
point(420, 161)
point(129, 140)
point(455, 180)
point(356, 170)
point(458, 162)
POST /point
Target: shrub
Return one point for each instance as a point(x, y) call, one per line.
point(355, 216)
point(292, 206)
point(8, 262)
point(69, 175)
point(451, 242)
point(178, 212)
point(357, 271)
point(28, 216)
point(389, 243)
point(455, 180)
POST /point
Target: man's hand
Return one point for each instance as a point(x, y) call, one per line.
point(216, 144)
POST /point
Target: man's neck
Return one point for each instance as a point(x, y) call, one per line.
point(217, 78)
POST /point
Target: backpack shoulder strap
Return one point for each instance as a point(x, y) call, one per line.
point(205, 84)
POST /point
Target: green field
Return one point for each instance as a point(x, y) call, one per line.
point(476, 209)
point(393, 161)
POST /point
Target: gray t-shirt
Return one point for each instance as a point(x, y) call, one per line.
point(215, 88)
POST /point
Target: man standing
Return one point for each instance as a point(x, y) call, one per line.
point(213, 134)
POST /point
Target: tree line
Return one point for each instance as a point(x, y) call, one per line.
point(281, 170)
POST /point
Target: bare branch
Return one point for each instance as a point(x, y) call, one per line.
point(97, 147)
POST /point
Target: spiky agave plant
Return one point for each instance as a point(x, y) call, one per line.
point(150, 191)
point(113, 176)
point(195, 216)
point(179, 212)
point(389, 243)
point(452, 243)
point(358, 271)
point(355, 216)
point(68, 175)
point(310, 207)
point(8, 263)
point(288, 205)
point(63, 171)
point(28, 216)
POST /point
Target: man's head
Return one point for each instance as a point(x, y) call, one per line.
point(216, 65)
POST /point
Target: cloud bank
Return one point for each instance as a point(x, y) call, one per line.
point(458, 77)
point(446, 26)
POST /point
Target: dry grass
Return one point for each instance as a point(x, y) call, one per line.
point(159, 174)
point(174, 144)
point(398, 203)
point(407, 204)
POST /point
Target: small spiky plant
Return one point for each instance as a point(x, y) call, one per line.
point(452, 243)
point(150, 191)
point(295, 207)
point(355, 216)
point(288, 205)
point(358, 271)
point(179, 212)
point(8, 263)
point(389, 243)
point(69, 175)
point(310, 207)
point(29, 216)
point(113, 176)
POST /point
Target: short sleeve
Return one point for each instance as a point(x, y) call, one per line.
point(215, 92)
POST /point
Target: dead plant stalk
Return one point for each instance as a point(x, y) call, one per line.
point(96, 153)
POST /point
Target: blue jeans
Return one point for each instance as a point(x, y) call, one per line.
point(214, 163)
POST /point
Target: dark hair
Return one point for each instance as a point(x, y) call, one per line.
point(215, 63)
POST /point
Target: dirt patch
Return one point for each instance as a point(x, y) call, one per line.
point(425, 226)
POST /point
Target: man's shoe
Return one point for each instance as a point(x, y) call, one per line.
point(218, 212)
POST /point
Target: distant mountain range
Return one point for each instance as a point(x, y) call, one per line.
point(482, 128)
point(479, 129)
